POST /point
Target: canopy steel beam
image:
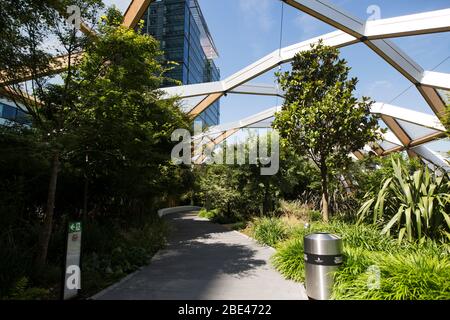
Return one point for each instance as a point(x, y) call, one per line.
point(134, 12)
point(426, 23)
point(392, 124)
point(411, 116)
point(433, 157)
point(408, 25)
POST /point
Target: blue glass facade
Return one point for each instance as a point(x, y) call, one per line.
point(179, 26)
point(13, 114)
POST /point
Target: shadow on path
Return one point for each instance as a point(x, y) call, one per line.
point(206, 261)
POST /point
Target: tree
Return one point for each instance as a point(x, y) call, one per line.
point(28, 25)
point(321, 118)
point(124, 124)
point(240, 189)
point(107, 109)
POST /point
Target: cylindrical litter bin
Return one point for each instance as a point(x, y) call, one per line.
point(323, 256)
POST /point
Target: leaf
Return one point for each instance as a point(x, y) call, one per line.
point(395, 218)
point(408, 224)
point(401, 234)
point(446, 217)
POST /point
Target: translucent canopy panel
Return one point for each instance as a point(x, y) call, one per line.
point(445, 95)
point(387, 145)
point(441, 147)
point(430, 51)
point(262, 124)
point(305, 26)
point(382, 9)
point(378, 79)
point(188, 103)
point(415, 131)
point(235, 107)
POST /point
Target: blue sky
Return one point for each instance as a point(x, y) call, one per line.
point(246, 30)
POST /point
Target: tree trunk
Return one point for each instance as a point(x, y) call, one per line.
point(46, 232)
point(266, 204)
point(85, 199)
point(325, 197)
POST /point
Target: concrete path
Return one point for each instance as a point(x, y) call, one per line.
point(206, 261)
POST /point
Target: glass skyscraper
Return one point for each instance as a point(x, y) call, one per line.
point(180, 27)
point(10, 113)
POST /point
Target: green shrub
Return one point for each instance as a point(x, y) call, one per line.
point(417, 275)
point(203, 213)
point(408, 270)
point(289, 259)
point(218, 216)
point(23, 291)
point(239, 225)
point(119, 251)
point(269, 231)
point(314, 215)
point(413, 206)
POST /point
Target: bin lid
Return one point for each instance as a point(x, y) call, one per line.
point(323, 243)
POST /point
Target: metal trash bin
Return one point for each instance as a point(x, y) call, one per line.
point(323, 256)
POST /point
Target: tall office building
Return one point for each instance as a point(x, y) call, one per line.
point(180, 27)
point(9, 113)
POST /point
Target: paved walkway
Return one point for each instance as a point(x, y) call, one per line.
point(206, 261)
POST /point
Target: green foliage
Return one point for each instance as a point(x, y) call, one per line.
point(415, 206)
point(23, 291)
point(110, 129)
point(314, 215)
point(417, 275)
point(289, 259)
point(268, 231)
point(412, 271)
point(320, 117)
point(240, 225)
point(241, 191)
point(110, 251)
point(217, 216)
point(203, 213)
point(368, 174)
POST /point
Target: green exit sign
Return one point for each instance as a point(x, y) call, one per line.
point(74, 226)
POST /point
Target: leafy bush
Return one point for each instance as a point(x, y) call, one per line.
point(239, 225)
point(417, 205)
point(218, 216)
point(203, 213)
point(314, 215)
point(408, 270)
point(111, 253)
point(269, 231)
point(289, 259)
point(23, 291)
point(417, 275)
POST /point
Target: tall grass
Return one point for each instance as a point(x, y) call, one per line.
point(402, 276)
point(408, 270)
point(269, 231)
point(413, 206)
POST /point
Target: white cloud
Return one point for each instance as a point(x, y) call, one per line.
point(258, 11)
point(307, 25)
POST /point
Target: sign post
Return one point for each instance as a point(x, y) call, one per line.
point(72, 277)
